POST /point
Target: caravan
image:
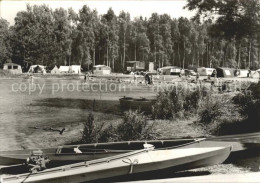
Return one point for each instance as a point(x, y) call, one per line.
point(204, 71)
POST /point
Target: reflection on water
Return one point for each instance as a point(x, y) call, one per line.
point(105, 106)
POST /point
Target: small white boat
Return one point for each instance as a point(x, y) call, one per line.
point(140, 161)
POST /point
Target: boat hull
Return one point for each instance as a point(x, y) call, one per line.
point(222, 178)
point(129, 163)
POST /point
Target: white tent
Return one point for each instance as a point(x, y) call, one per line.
point(75, 69)
point(55, 70)
point(256, 74)
point(37, 69)
point(64, 69)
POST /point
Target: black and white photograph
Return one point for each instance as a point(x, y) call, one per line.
point(130, 91)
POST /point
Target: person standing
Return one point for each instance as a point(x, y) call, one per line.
point(214, 74)
point(197, 76)
point(249, 73)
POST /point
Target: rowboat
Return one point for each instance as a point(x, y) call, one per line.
point(142, 104)
point(83, 152)
point(140, 161)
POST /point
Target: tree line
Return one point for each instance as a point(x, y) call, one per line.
point(223, 33)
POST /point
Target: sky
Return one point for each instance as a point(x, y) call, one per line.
point(9, 9)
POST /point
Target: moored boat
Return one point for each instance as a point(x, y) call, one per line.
point(139, 161)
point(142, 104)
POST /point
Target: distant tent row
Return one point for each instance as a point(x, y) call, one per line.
point(222, 72)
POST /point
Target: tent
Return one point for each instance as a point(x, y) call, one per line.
point(76, 69)
point(151, 67)
point(13, 68)
point(101, 69)
point(37, 69)
point(55, 70)
point(64, 69)
point(204, 71)
point(135, 66)
point(225, 72)
point(256, 74)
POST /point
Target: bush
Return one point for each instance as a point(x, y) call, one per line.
point(193, 99)
point(210, 111)
point(168, 104)
point(91, 131)
point(163, 107)
point(249, 107)
point(135, 127)
point(177, 103)
point(109, 134)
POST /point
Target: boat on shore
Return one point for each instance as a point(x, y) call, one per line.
point(140, 161)
point(84, 152)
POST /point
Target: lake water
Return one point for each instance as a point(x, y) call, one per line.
point(28, 103)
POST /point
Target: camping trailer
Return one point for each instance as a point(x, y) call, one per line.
point(204, 71)
point(101, 70)
point(170, 70)
point(12, 68)
point(242, 73)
